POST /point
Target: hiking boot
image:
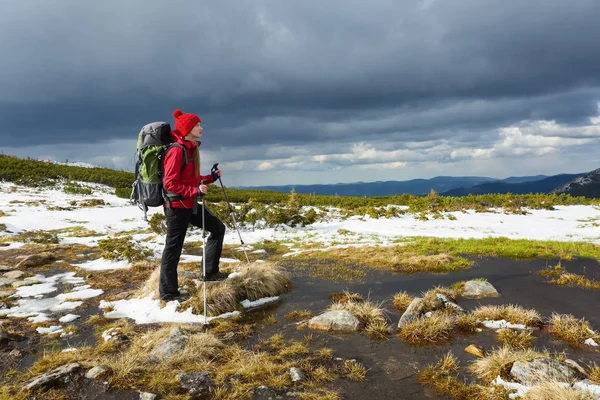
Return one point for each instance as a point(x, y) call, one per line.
point(217, 276)
point(175, 296)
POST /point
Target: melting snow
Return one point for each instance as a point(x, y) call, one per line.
point(147, 311)
point(591, 342)
point(102, 264)
point(68, 318)
point(503, 324)
point(259, 302)
point(50, 329)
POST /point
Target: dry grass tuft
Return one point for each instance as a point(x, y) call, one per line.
point(355, 371)
point(221, 297)
point(575, 280)
point(554, 391)
point(255, 282)
point(424, 331)
point(345, 297)
point(594, 373)
point(401, 301)
point(378, 330)
point(494, 364)
point(467, 323)
point(511, 313)
point(515, 339)
point(260, 280)
point(572, 330)
point(299, 315)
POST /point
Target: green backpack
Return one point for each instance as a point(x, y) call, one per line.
point(154, 140)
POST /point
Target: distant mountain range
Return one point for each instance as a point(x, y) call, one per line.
point(444, 185)
point(587, 185)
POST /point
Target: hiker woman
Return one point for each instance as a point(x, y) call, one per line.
point(183, 186)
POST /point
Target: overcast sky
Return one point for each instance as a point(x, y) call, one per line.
point(306, 91)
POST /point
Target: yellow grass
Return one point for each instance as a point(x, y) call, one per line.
point(572, 330)
point(515, 339)
point(511, 313)
point(424, 331)
point(401, 301)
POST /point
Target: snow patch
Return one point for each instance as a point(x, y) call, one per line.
point(102, 264)
point(49, 330)
point(504, 324)
point(259, 302)
point(68, 318)
point(147, 311)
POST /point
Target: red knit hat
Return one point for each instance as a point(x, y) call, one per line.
point(184, 123)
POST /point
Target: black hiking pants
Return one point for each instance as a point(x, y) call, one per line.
point(177, 224)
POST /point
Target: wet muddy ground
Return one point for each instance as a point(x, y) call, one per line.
point(393, 364)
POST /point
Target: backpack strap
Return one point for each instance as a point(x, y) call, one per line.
point(170, 196)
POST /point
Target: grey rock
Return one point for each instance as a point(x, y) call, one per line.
point(4, 268)
point(413, 312)
point(337, 320)
point(173, 344)
point(148, 396)
point(542, 369)
point(96, 371)
point(4, 281)
point(14, 274)
point(296, 375)
point(479, 289)
point(36, 260)
point(198, 384)
point(15, 353)
point(449, 303)
point(60, 374)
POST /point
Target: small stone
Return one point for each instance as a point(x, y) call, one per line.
point(296, 375)
point(478, 289)
point(61, 373)
point(198, 384)
point(96, 371)
point(4, 282)
point(414, 311)
point(450, 304)
point(36, 260)
point(14, 274)
point(4, 268)
point(474, 350)
point(148, 396)
point(173, 344)
point(337, 320)
point(15, 353)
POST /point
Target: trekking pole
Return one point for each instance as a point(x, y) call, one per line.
point(235, 224)
point(204, 258)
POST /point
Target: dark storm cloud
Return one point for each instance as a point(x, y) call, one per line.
point(295, 72)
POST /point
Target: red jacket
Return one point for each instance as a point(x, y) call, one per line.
point(184, 183)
